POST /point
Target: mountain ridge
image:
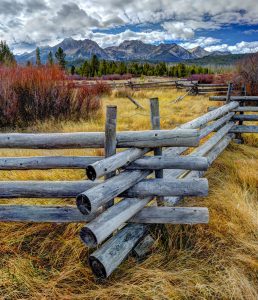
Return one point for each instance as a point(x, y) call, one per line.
point(128, 50)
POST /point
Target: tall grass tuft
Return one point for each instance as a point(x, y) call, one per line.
point(33, 94)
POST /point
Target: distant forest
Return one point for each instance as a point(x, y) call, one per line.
point(97, 68)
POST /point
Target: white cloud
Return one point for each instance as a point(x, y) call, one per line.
point(178, 30)
point(242, 47)
point(46, 21)
point(201, 41)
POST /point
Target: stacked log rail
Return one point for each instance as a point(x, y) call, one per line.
point(119, 227)
point(196, 88)
point(110, 254)
point(245, 112)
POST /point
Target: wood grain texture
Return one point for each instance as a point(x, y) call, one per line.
point(162, 162)
point(172, 215)
point(47, 162)
point(110, 142)
point(125, 139)
point(244, 129)
point(234, 98)
point(164, 187)
point(114, 162)
point(105, 224)
point(107, 258)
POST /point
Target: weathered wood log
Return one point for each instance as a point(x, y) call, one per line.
point(47, 162)
point(147, 138)
point(155, 124)
point(200, 151)
point(160, 138)
point(230, 85)
point(110, 141)
point(171, 187)
point(44, 189)
point(234, 98)
point(107, 258)
point(163, 162)
point(138, 105)
point(69, 214)
point(245, 118)
point(215, 125)
point(244, 129)
point(114, 162)
point(207, 146)
point(212, 85)
point(90, 200)
point(143, 248)
point(43, 214)
point(172, 215)
point(100, 228)
point(211, 156)
point(210, 116)
point(246, 108)
point(105, 224)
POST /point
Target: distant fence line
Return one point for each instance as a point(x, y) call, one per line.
point(121, 227)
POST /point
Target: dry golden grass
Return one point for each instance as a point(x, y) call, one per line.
point(214, 261)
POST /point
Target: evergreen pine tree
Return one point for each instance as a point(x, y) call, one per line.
point(60, 56)
point(50, 59)
point(38, 60)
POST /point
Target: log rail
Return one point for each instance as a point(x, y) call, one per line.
point(116, 203)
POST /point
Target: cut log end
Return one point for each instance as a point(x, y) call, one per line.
point(83, 204)
point(88, 237)
point(97, 267)
point(91, 173)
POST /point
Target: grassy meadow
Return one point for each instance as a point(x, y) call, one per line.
point(214, 261)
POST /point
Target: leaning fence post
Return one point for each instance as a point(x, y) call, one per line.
point(110, 139)
point(155, 124)
point(229, 92)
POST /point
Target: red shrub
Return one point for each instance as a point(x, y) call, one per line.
point(31, 94)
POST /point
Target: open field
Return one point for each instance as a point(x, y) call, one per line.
point(214, 261)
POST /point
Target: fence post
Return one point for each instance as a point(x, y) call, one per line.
point(155, 124)
point(229, 92)
point(110, 140)
point(241, 104)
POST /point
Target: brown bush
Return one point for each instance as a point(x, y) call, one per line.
point(248, 73)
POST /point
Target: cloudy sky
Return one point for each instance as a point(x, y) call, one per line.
point(215, 25)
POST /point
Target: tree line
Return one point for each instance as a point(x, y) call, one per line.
point(95, 67)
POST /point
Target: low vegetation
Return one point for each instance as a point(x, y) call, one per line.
point(34, 94)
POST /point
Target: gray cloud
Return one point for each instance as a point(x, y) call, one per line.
point(10, 8)
point(38, 21)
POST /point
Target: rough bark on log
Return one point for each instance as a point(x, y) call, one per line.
point(162, 162)
point(105, 224)
point(172, 215)
point(47, 162)
point(107, 258)
point(164, 187)
point(110, 141)
point(244, 129)
point(114, 162)
point(125, 139)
